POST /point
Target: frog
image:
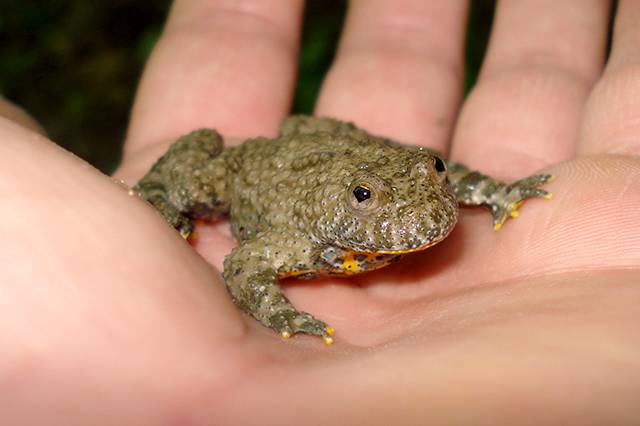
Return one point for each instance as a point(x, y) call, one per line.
point(323, 198)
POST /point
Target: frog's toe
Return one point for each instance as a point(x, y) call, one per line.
point(290, 322)
point(527, 187)
point(184, 227)
point(181, 224)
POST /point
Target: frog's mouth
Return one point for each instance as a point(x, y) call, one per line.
point(397, 240)
point(400, 251)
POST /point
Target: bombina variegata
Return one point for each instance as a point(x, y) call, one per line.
point(324, 198)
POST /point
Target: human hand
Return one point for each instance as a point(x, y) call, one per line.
point(111, 311)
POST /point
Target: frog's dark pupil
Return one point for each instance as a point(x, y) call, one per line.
point(440, 167)
point(361, 194)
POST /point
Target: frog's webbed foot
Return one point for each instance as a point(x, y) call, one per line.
point(474, 189)
point(289, 322)
point(505, 202)
point(254, 286)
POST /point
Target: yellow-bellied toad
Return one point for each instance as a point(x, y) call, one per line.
point(324, 198)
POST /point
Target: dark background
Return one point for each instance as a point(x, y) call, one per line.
point(75, 64)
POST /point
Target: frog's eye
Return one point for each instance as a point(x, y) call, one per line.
point(363, 196)
point(439, 165)
point(361, 193)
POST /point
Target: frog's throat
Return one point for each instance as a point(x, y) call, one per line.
point(355, 261)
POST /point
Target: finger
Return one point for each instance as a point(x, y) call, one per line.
point(612, 114)
point(543, 58)
point(18, 115)
point(398, 71)
point(228, 65)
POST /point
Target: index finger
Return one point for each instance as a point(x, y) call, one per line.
point(228, 65)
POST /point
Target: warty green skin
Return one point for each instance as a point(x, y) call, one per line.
point(325, 198)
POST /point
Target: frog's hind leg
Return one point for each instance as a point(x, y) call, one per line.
point(183, 183)
point(254, 286)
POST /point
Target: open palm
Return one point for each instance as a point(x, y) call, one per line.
point(111, 310)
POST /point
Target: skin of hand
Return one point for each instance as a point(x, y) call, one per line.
point(109, 317)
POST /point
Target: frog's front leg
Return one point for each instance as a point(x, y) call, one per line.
point(251, 274)
point(474, 189)
point(183, 182)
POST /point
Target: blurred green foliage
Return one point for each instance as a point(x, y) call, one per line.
point(321, 30)
point(74, 64)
